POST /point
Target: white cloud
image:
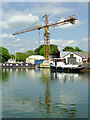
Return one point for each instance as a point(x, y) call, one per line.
point(13, 45)
point(22, 49)
point(21, 20)
point(6, 36)
point(16, 19)
point(0, 13)
point(85, 39)
point(62, 43)
point(4, 24)
point(68, 25)
point(85, 42)
point(51, 9)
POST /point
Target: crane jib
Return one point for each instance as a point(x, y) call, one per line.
point(71, 20)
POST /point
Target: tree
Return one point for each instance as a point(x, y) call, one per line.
point(71, 49)
point(12, 56)
point(4, 54)
point(40, 50)
point(78, 49)
point(20, 56)
point(37, 51)
point(67, 48)
point(53, 48)
point(29, 53)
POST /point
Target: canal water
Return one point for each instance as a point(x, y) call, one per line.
point(40, 93)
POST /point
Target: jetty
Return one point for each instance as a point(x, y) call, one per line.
point(18, 65)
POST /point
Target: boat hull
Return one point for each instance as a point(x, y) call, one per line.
point(66, 69)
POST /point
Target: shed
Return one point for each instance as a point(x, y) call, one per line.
point(32, 58)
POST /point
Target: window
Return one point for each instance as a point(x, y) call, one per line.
point(71, 55)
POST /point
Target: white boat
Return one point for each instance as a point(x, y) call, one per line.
point(59, 65)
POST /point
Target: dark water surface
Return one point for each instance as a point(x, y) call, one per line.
point(40, 93)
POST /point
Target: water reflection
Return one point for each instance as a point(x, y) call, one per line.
point(72, 111)
point(60, 107)
point(63, 77)
point(0, 93)
point(42, 93)
point(5, 75)
point(46, 75)
point(46, 81)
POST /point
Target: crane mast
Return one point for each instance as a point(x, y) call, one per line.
point(46, 39)
point(47, 34)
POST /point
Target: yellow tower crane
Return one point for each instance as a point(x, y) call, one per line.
point(70, 19)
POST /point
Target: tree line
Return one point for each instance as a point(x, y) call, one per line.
point(5, 55)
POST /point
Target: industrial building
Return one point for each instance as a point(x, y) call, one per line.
point(76, 57)
point(71, 57)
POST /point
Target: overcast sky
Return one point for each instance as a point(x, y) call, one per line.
point(17, 16)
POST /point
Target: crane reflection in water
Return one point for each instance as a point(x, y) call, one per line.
point(46, 78)
point(51, 106)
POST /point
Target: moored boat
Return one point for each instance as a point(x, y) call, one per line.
point(59, 65)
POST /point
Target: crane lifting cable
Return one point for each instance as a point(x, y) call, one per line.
point(33, 25)
point(37, 21)
point(39, 36)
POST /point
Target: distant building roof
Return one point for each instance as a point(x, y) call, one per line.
point(11, 61)
point(62, 53)
point(82, 54)
point(36, 57)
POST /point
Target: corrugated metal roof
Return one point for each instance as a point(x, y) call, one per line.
point(82, 54)
point(62, 54)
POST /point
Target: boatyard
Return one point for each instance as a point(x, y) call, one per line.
point(37, 61)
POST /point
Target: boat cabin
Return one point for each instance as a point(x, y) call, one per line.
point(58, 62)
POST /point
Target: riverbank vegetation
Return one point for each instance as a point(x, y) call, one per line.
point(5, 55)
point(71, 49)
